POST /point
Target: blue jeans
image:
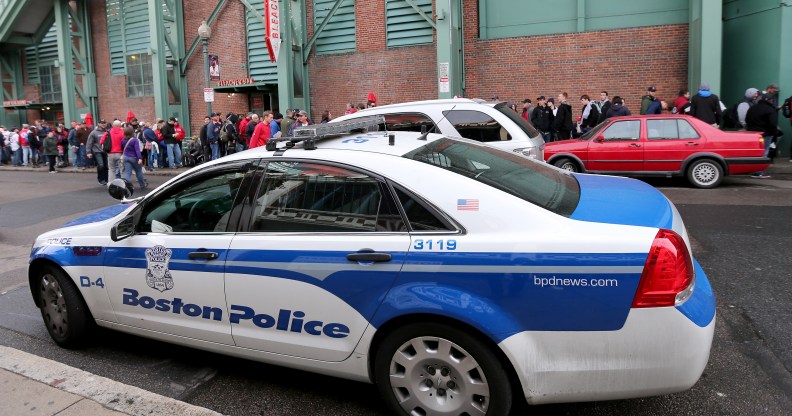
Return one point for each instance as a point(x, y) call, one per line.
point(25, 155)
point(34, 155)
point(240, 147)
point(153, 156)
point(101, 167)
point(174, 155)
point(130, 164)
point(215, 150)
point(79, 156)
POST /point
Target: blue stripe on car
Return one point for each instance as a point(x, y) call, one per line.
point(615, 200)
point(700, 308)
point(101, 215)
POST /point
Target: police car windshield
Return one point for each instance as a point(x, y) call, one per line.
point(522, 177)
point(525, 125)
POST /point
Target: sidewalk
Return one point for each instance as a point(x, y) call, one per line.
point(32, 385)
point(72, 169)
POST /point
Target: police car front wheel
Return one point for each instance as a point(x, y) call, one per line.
point(434, 369)
point(63, 309)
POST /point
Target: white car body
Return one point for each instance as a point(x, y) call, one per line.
point(287, 298)
point(447, 114)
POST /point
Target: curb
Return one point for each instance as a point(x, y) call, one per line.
point(107, 393)
point(71, 169)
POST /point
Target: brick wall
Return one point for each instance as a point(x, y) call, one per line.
point(623, 62)
point(392, 74)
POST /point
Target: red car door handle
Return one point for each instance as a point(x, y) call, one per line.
point(635, 145)
point(691, 144)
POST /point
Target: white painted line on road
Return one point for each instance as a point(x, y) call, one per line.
point(111, 394)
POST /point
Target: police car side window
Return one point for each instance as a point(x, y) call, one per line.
point(477, 126)
point(200, 206)
point(312, 197)
point(420, 217)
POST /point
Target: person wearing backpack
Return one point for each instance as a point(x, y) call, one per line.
point(763, 117)
point(751, 96)
point(93, 149)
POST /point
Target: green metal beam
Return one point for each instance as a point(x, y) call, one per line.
point(38, 36)
point(581, 15)
point(158, 57)
point(320, 29)
point(705, 44)
point(293, 82)
point(421, 12)
point(66, 60)
point(21, 40)
point(197, 40)
point(9, 16)
point(450, 49)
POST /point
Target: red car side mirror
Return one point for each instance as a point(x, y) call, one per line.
point(600, 138)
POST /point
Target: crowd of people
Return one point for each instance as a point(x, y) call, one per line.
point(159, 145)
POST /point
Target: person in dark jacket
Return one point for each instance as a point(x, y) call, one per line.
point(563, 119)
point(541, 117)
point(705, 106)
point(168, 133)
point(617, 109)
point(50, 145)
point(763, 117)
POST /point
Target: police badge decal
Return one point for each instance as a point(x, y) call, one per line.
point(157, 274)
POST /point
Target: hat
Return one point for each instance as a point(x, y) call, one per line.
point(551, 100)
point(541, 97)
point(773, 86)
point(767, 97)
point(652, 89)
point(302, 113)
point(172, 119)
point(750, 93)
point(102, 121)
point(495, 97)
point(526, 101)
point(229, 114)
point(704, 86)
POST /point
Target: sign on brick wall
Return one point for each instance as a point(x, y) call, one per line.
point(272, 36)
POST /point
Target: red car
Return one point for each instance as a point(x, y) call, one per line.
point(661, 145)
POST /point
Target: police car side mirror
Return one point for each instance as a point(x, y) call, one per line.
point(123, 229)
point(120, 189)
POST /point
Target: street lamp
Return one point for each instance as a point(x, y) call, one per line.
point(204, 32)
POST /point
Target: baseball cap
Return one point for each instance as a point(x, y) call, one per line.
point(302, 113)
point(652, 89)
point(172, 119)
point(541, 97)
point(102, 121)
point(773, 86)
point(527, 100)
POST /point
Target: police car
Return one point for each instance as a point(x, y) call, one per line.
point(454, 275)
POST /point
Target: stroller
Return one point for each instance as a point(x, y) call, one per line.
point(193, 155)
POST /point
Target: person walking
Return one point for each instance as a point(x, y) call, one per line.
point(133, 157)
point(115, 161)
point(763, 117)
point(751, 96)
point(705, 106)
point(94, 151)
point(50, 150)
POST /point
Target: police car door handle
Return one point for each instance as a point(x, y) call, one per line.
point(203, 255)
point(368, 255)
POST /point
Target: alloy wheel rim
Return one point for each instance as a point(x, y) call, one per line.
point(568, 166)
point(705, 173)
point(431, 375)
point(54, 305)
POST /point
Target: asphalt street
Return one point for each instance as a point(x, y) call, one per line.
point(741, 234)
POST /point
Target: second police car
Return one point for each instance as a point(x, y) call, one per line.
point(454, 275)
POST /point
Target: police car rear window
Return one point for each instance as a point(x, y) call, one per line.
point(524, 178)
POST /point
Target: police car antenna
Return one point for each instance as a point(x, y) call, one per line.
point(308, 135)
point(424, 134)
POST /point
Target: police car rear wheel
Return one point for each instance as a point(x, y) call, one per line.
point(63, 309)
point(433, 369)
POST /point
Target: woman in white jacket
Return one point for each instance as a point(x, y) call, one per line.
point(13, 142)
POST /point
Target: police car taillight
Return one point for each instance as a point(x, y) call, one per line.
point(668, 275)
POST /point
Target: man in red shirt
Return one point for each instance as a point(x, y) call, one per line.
point(262, 132)
point(115, 156)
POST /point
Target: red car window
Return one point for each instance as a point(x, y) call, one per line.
point(623, 130)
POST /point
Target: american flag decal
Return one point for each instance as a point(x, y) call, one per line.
point(467, 204)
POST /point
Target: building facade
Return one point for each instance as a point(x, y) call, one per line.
point(145, 56)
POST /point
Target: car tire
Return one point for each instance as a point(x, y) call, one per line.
point(65, 314)
point(566, 163)
point(433, 368)
point(705, 173)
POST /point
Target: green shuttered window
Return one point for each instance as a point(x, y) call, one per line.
point(41, 55)
point(404, 25)
point(339, 33)
point(127, 31)
point(260, 68)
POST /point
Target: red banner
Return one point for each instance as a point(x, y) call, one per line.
point(272, 36)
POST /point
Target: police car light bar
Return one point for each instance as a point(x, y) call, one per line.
point(309, 134)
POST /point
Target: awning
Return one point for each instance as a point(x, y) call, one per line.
point(247, 88)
